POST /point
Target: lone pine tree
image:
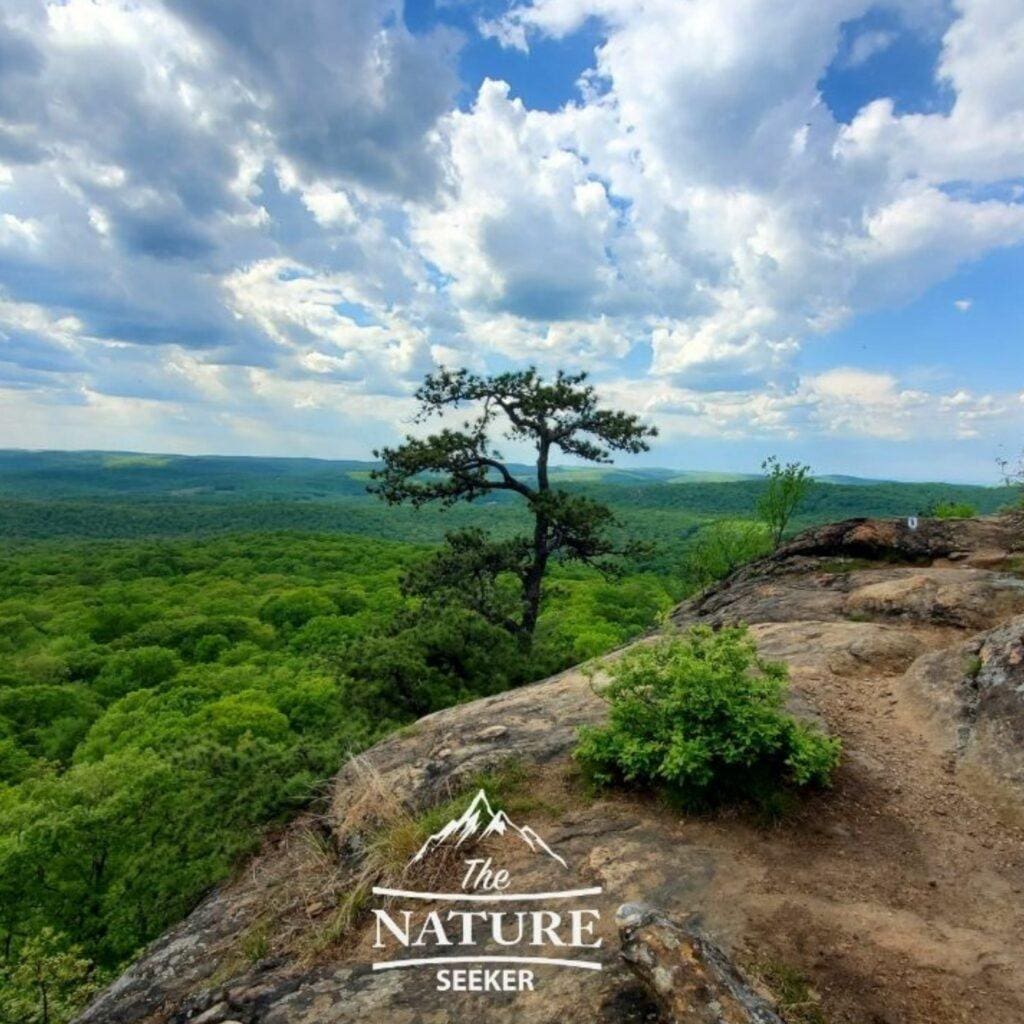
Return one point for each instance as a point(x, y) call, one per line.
point(464, 464)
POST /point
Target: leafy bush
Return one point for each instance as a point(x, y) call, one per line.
point(210, 647)
point(702, 718)
point(954, 510)
point(47, 981)
point(722, 547)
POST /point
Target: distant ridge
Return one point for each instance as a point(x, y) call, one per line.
point(852, 481)
point(117, 495)
point(55, 464)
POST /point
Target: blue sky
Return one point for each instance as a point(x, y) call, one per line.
point(252, 228)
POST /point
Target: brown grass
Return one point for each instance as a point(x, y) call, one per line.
point(322, 887)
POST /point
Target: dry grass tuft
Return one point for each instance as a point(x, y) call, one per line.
point(322, 884)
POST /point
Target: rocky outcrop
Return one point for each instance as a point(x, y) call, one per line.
point(878, 569)
point(899, 894)
point(692, 979)
point(989, 539)
point(997, 691)
point(974, 693)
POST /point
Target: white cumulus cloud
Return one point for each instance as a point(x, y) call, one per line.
point(257, 213)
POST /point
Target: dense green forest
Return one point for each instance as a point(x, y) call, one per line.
point(101, 495)
point(190, 648)
point(163, 701)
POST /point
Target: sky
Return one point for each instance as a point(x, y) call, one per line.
point(252, 228)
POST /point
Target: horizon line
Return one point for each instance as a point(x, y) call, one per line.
point(750, 474)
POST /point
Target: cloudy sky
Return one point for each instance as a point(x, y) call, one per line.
point(251, 227)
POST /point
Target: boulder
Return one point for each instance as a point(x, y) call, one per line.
point(894, 540)
point(975, 695)
point(692, 979)
point(966, 598)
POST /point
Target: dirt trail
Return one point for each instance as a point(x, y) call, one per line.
point(899, 894)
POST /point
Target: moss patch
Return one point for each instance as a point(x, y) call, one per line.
point(797, 1002)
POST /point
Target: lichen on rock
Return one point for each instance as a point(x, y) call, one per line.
point(692, 979)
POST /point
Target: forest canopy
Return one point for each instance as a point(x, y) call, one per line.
point(163, 701)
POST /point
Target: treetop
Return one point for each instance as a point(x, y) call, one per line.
point(562, 413)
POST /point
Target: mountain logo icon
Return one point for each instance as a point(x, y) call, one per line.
point(480, 821)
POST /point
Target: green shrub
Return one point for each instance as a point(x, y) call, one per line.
point(722, 547)
point(954, 510)
point(701, 718)
point(210, 647)
point(47, 982)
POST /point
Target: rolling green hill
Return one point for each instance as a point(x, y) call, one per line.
point(123, 495)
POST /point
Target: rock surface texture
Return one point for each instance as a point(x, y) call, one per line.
point(690, 977)
point(898, 896)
